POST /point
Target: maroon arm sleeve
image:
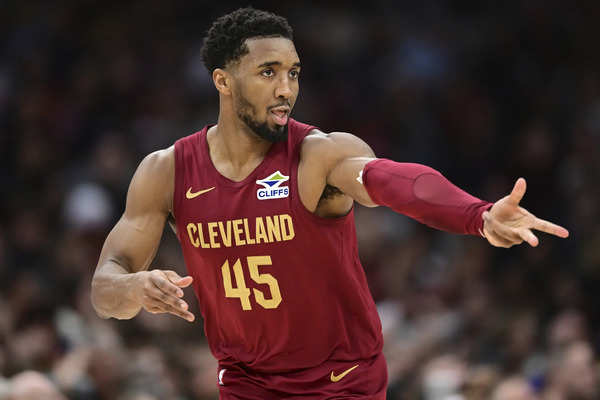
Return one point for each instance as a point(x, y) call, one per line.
point(422, 193)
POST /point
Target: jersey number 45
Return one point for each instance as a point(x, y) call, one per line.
point(242, 292)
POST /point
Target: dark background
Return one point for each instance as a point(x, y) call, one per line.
point(484, 91)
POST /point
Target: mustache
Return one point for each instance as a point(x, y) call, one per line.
point(285, 103)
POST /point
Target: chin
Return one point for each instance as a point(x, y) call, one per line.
point(264, 130)
point(279, 134)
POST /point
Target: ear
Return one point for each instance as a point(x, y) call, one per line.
point(222, 80)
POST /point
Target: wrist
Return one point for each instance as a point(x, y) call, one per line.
point(132, 285)
point(481, 228)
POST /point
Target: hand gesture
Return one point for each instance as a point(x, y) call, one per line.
point(507, 224)
point(159, 291)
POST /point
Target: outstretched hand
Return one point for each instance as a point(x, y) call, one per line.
point(159, 291)
point(507, 224)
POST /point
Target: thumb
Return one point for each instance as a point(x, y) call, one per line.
point(518, 191)
point(181, 281)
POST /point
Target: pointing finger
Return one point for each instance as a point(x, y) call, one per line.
point(518, 191)
point(549, 227)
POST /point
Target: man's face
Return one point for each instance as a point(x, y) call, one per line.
point(266, 86)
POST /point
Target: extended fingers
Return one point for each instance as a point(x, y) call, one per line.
point(161, 281)
point(156, 306)
point(167, 298)
point(178, 280)
point(522, 230)
point(516, 235)
point(549, 227)
point(157, 301)
point(161, 295)
point(501, 235)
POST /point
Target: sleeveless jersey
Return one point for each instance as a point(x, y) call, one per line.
point(279, 288)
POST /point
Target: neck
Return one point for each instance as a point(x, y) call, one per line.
point(234, 149)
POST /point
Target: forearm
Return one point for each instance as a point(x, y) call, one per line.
point(112, 292)
point(422, 193)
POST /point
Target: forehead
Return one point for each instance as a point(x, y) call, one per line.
point(261, 50)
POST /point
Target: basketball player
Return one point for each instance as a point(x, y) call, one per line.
point(263, 209)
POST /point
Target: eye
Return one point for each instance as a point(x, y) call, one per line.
point(267, 72)
point(294, 74)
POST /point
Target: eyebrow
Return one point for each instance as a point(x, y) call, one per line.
point(278, 63)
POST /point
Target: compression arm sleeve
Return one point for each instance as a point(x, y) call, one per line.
point(422, 193)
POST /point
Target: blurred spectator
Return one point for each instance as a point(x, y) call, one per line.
point(480, 381)
point(30, 385)
point(514, 388)
point(574, 374)
point(566, 328)
point(443, 377)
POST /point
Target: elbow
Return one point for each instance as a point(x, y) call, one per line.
point(97, 306)
point(106, 311)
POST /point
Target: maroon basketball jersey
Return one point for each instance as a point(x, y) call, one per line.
point(279, 288)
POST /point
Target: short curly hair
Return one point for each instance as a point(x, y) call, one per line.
point(225, 40)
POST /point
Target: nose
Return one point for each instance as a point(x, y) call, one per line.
point(283, 89)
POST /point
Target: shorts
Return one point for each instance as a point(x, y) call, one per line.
point(360, 379)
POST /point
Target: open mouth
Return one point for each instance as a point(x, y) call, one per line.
point(280, 115)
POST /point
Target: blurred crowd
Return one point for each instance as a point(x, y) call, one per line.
point(483, 91)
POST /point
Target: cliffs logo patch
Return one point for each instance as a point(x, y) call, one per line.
point(272, 188)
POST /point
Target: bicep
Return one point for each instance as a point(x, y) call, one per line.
point(347, 176)
point(349, 155)
point(134, 240)
point(132, 243)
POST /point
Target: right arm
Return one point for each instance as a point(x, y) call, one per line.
point(122, 284)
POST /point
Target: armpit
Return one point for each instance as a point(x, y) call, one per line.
point(330, 192)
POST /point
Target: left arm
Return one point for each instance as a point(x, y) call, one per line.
point(427, 196)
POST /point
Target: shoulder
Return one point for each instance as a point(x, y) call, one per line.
point(154, 179)
point(317, 139)
point(333, 146)
point(160, 161)
point(162, 158)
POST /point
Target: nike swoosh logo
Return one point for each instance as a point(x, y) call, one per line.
point(341, 376)
point(190, 195)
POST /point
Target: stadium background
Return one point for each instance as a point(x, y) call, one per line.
point(484, 91)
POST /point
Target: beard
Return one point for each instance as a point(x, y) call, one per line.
point(245, 112)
